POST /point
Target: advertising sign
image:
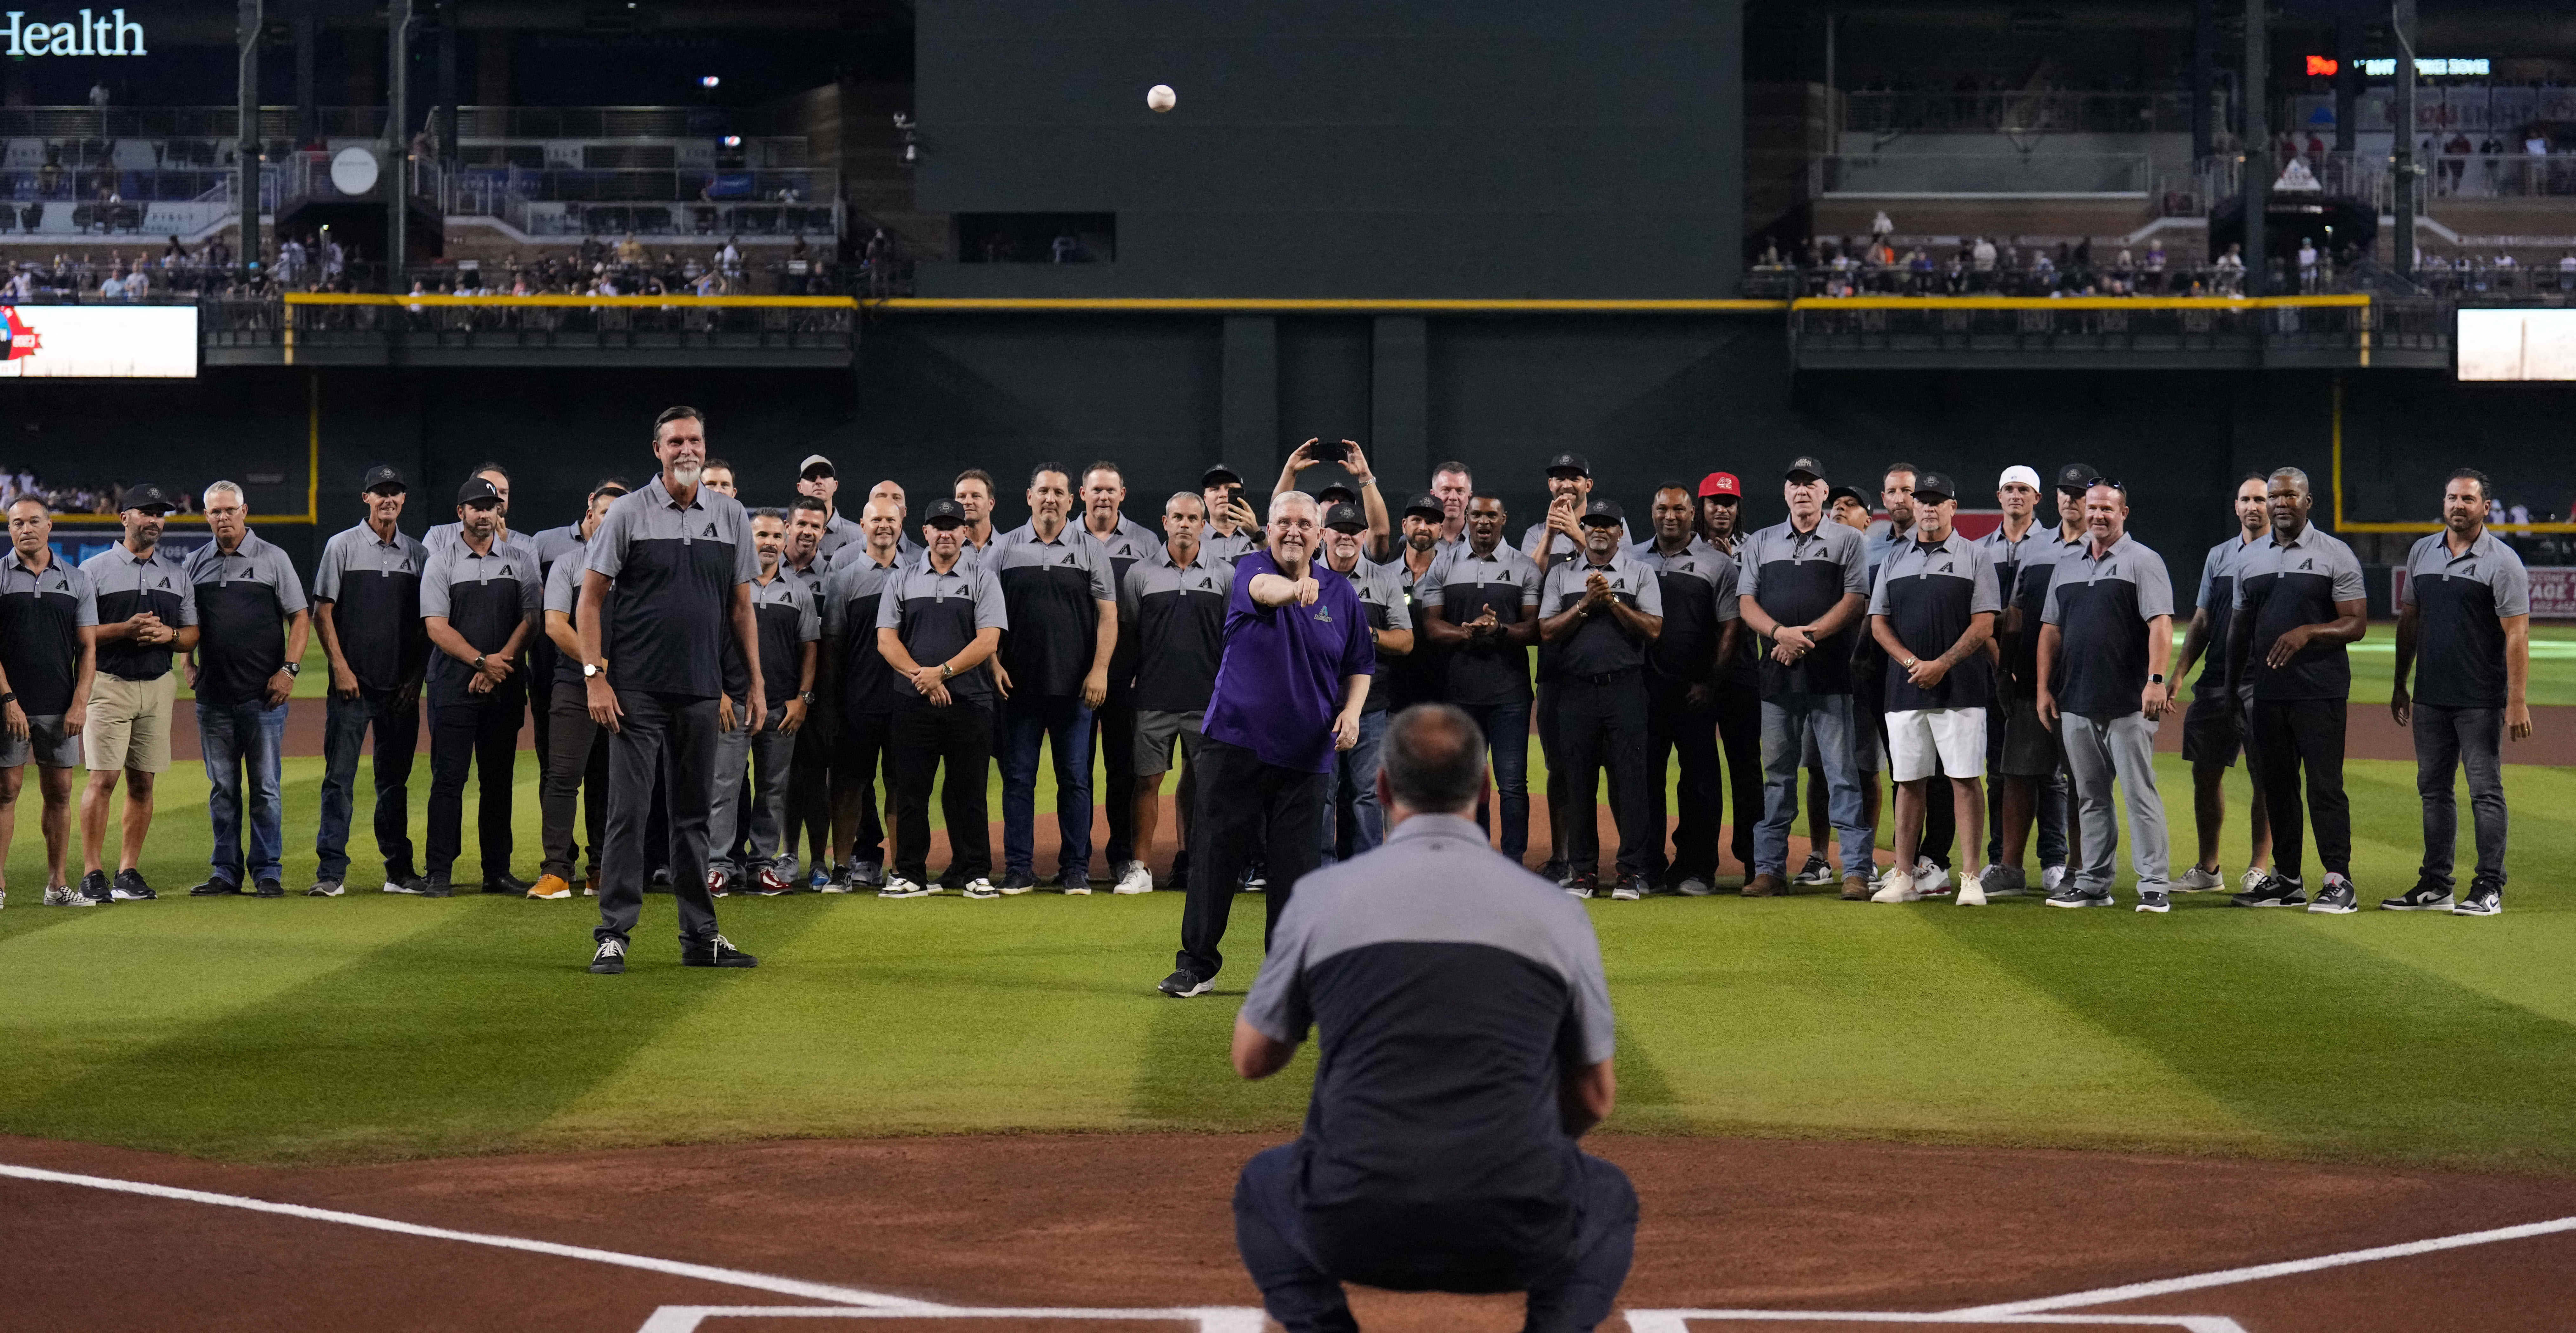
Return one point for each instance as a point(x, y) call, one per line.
point(2517, 344)
point(2553, 591)
point(99, 342)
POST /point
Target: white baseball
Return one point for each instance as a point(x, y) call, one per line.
point(1160, 97)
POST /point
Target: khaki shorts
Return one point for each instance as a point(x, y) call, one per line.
point(129, 723)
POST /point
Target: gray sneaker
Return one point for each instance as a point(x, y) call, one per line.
point(64, 895)
point(2486, 898)
point(2004, 881)
point(2197, 880)
point(324, 888)
point(2071, 896)
point(2154, 900)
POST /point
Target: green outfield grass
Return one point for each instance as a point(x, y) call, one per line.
point(373, 1027)
point(2374, 663)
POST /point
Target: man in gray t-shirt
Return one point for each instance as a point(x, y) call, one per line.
point(1466, 1038)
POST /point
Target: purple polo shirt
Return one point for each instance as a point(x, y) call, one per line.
point(1281, 677)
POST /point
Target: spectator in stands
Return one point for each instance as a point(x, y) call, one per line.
point(1880, 227)
point(2231, 270)
point(1981, 258)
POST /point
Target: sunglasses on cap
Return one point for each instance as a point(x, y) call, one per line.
point(2091, 482)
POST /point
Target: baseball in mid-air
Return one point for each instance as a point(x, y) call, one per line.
point(1160, 97)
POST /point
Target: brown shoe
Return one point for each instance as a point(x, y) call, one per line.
point(550, 887)
point(1765, 885)
point(1855, 889)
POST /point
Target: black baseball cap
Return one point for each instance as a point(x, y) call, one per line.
point(1220, 475)
point(1337, 494)
point(384, 477)
point(1604, 511)
point(1808, 468)
point(2072, 478)
point(943, 513)
point(478, 490)
point(1840, 491)
point(1346, 517)
point(147, 497)
point(1935, 486)
point(1427, 505)
point(1574, 463)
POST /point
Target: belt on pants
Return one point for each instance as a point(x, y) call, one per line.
point(1620, 676)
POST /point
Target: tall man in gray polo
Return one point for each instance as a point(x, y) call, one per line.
point(366, 606)
point(1799, 587)
point(667, 583)
point(2103, 644)
point(1467, 1040)
point(1054, 670)
point(2468, 614)
point(147, 610)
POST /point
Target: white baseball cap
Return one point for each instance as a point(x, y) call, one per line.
point(2019, 473)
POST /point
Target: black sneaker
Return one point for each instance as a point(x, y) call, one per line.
point(2337, 898)
point(436, 886)
point(2154, 900)
point(408, 884)
point(506, 885)
point(1632, 888)
point(2486, 898)
point(1581, 886)
point(1017, 882)
point(326, 888)
point(2071, 896)
point(1077, 883)
point(2274, 891)
point(130, 888)
point(610, 959)
point(2426, 896)
point(93, 886)
point(269, 888)
point(1184, 983)
point(718, 952)
point(215, 888)
point(1557, 873)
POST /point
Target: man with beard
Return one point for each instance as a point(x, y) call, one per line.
point(1420, 676)
point(1604, 611)
point(1054, 671)
point(1738, 677)
point(147, 610)
point(1483, 614)
point(1697, 582)
point(480, 601)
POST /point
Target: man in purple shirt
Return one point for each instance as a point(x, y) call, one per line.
point(1289, 689)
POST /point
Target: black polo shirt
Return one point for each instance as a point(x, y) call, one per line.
point(1383, 599)
point(2217, 596)
point(1698, 585)
point(785, 614)
point(1496, 672)
point(935, 616)
point(1054, 590)
point(671, 611)
point(245, 598)
point(373, 587)
point(2460, 602)
point(41, 617)
point(1179, 614)
point(2101, 606)
point(485, 598)
point(868, 683)
point(127, 587)
point(2297, 584)
point(1930, 593)
point(1796, 577)
point(1598, 645)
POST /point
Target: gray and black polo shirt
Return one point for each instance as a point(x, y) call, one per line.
point(1598, 646)
point(1698, 584)
point(2460, 603)
point(552, 545)
point(1566, 548)
point(675, 568)
point(373, 587)
point(485, 598)
point(1383, 597)
point(1054, 589)
point(2100, 605)
point(2291, 584)
point(127, 587)
point(1179, 615)
point(816, 576)
point(1230, 545)
point(42, 613)
point(784, 612)
point(2004, 553)
point(563, 593)
point(1507, 581)
point(1451, 992)
point(839, 530)
point(1931, 592)
point(2029, 595)
point(935, 616)
point(1125, 545)
point(849, 611)
point(445, 535)
point(1422, 675)
point(1796, 577)
point(244, 597)
point(2217, 596)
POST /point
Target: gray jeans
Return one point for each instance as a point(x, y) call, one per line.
point(761, 819)
point(2447, 739)
point(2099, 750)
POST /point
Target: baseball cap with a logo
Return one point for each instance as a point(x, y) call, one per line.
point(2073, 477)
point(1427, 505)
point(1336, 494)
point(383, 477)
point(1803, 468)
point(1569, 465)
point(1720, 483)
point(1604, 511)
point(1220, 475)
point(943, 513)
point(148, 498)
point(1346, 517)
point(1935, 486)
point(478, 491)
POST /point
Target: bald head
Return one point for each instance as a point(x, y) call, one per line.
point(1434, 762)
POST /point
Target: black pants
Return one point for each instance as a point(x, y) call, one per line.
point(924, 737)
point(670, 738)
point(539, 664)
point(809, 794)
point(1739, 734)
point(864, 751)
point(481, 731)
point(1247, 810)
point(1673, 725)
point(576, 774)
point(1601, 723)
point(1116, 746)
point(1551, 757)
point(2296, 734)
point(346, 723)
point(1292, 1254)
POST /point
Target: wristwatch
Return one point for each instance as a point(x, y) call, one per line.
point(947, 669)
point(805, 697)
point(293, 668)
point(1911, 663)
point(2156, 679)
point(589, 669)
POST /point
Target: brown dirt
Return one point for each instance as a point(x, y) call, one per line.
point(1143, 1220)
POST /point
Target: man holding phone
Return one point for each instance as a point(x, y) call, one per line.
point(1233, 530)
point(1362, 491)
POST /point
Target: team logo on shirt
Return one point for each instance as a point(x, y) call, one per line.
point(1324, 614)
point(1069, 560)
point(2309, 564)
point(711, 530)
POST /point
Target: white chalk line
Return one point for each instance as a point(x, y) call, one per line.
point(1208, 1319)
point(1678, 1321)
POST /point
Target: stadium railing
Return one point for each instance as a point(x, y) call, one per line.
point(2142, 332)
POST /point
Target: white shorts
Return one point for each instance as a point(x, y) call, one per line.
point(1956, 735)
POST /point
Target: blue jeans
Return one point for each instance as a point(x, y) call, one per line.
point(242, 744)
point(344, 733)
point(1785, 722)
point(1507, 728)
point(1064, 726)
point(1351, 812)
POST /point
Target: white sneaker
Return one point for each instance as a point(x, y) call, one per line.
point(64, 895)
point(2197, 880)
point(896, 886)
point(1929, 879)
point(2252, 879)
point(4, 897)
point(2051, 877)
point(1694, 887)
point(1972, 891)
point(982, 888)
point(1896, 887)
point(1137, 879)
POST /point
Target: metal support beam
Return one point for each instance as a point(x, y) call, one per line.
point(2258, 147)
point(398, 21)
point(246, 140)
point(2404, 168)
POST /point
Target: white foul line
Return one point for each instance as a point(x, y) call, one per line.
point(784, 1286)
point(2231, 1276)
point(1678, 1321)
point(1206, 1319)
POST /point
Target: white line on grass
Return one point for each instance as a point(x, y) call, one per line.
point(2231, 1276)
point(784, 1286)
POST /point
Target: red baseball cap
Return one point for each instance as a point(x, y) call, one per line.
point(1720, 483)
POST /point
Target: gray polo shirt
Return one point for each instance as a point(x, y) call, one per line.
point(1698, 583)
point(935, 616)
point(1383, 596)
point(1463, 588)
point(2029, 595)
point(2217, 596)
point(563, 593)
point(1179, 615)
point(127, 587)
point(1599, 646)
point(670, 612)
point(1931, 592)
point(1451, 992)
point(2101, 606)
point(784, 612)
point(373, 586)
point(1230, 545)
point(1796, 577)
point(849, 610)
point(2290, 585)
point(1054, 588)
point(244, 601)
point(2460, 602)
point(484, 598)
point(41, 617)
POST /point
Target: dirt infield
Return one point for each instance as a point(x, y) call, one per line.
point(1143, 1221)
